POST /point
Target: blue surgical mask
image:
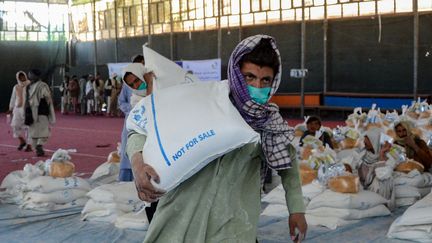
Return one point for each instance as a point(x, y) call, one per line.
point(259, 95)
point(142, 86)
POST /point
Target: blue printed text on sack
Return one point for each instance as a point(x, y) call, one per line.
point(192, 143)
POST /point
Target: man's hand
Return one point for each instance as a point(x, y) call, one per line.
point(297, 221)
point(143, 173)
point(384, 149)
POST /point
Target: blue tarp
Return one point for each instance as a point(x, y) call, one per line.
point(18, 225)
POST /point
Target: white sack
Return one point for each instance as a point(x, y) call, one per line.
point(167, 73)
point(419, 213)
point(413, 178)
point(276, 210)
point(19, 177)
point(102, 216)
point(136, 221)
point(349, 214)
point(312, 190)
point(275, 196)
point(424, 191)
point(416, 222)
point(125, 207)
point(49, 206)
point(364, 199)
point(58, 197)
point(329, 222)
point(406, 191)
point(105, 173)
point(46, 184)
point(188, 126)
point(405, 201)
point(123, 192)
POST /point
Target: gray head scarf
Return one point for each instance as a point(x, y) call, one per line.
point(374, 136)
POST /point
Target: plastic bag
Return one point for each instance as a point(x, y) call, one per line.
point(397, 153)
point(338, 134)
point(327, 171)
point(62, 155)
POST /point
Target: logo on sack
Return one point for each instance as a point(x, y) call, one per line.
point(139, 118)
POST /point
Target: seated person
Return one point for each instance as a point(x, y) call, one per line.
point(313, 125)
point(415, 147)
point(375, 159)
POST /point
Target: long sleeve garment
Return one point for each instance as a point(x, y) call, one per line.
point(221, 203)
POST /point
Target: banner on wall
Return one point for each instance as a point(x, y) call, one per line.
point(116, 68)
point(205, 70)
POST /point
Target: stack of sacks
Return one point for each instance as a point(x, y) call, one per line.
point(415, 224)
point(46, 193)
point(14, 183)
point(333, 209)
point(277, 203)
point(108, 202)
point(410, 187)
point(107, 172)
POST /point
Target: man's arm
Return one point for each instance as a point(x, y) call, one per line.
point(292, 185)
point(143, 173)
point(294, 198)
point(124, 100)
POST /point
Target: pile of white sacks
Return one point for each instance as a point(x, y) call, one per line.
point(101, 197)
point(332, 209)
point(116, 203)
point(411, 187)
point(30, 189)
point(328, 208)
point(416, 222)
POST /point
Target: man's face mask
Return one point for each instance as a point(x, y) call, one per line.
point(259, 95)
point(142, 86)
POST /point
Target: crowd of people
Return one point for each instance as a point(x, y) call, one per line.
point(90, 95)
point(254, 75)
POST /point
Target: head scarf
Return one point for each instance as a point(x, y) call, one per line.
point(20, 88)
point(374, 135)
point(265, 118)
point(138, 70)
point(401, 141)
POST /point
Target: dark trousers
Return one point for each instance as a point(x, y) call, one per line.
point(151, 210)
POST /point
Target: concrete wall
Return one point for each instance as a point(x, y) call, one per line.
point(360, 59)
point(15, 56)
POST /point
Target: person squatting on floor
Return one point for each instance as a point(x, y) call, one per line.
point(16, 109)
point(39, 102)
point(221, 203)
